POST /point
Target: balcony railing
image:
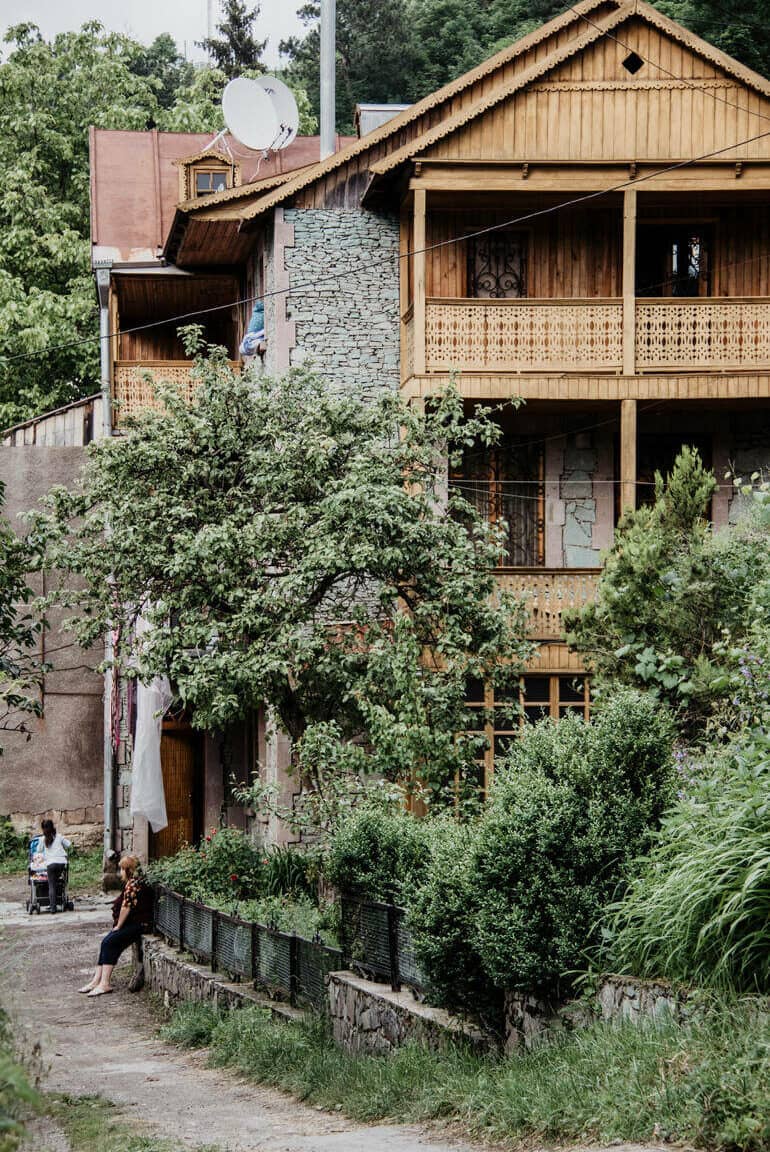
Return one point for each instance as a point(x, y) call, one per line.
point(133, 391)
point(524, 335)
point(703, 334)
point(549, 592)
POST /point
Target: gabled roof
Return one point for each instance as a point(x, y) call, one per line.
point(590, 20)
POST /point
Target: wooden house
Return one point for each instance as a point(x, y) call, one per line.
point(582, 221)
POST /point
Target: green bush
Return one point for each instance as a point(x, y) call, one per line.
point(225, 865)
point(378, 853)
point(16, 1095)
point(699, 909)
point(13, 848)
point(288, 870)
point(573, 805)
point(442, 920)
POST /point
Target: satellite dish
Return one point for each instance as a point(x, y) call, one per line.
point(250, 114)
point(285, 108)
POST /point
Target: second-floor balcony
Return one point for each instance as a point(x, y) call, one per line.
point(587, 335)
point(134, 384)
point(548, 593)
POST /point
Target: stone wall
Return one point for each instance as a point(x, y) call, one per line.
point(342, 268)
point(579, 499)
point(368, 1017)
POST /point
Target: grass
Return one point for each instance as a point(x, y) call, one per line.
point(17, 1097)
point(92, 1124)
point(706, 1083)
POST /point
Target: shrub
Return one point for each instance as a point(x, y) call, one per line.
point(442, 914)
point(378, 853)
point(699, 909)
point(13, 846)
point(573, 805)
point(224, 865)
point(288, 870)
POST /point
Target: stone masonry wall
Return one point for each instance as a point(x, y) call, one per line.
point(343, 271)
point(579, 499)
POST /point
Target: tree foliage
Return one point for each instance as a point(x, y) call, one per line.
point(20, 668)
point(276, 540)
point(235, 50)
point(672, 592)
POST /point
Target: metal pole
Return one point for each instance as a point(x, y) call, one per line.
point(328, 72)
point(105, 348)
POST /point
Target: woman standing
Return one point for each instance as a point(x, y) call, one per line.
point(54, 852)
point(131, 916)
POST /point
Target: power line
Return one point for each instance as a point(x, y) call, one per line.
point(334, 276)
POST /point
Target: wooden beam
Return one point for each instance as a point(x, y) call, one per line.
point(629, 281)
point(627, 454)
point(419, 233)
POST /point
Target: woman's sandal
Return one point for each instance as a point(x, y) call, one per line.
point(100, 991)
point(86, 989)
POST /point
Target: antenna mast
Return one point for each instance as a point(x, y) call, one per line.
point(328, 70)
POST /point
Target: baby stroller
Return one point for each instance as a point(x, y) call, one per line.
point(38, 881)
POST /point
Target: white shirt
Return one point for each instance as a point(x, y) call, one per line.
point(54, 853)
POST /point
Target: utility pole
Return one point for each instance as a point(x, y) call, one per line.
point(328, 75)
point(209, 19)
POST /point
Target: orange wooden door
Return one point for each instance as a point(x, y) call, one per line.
point(177, 757)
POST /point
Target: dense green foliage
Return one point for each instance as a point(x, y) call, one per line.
point(224, 865)
point(17, 1098)
point(672, 589)
point(290, 516)
point(235, 50)
point(378, 852)
point(704, 1084)
point(20, 670)
point(699, 909)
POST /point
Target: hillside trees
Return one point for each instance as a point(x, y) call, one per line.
point(19, 667)
point(276, 541)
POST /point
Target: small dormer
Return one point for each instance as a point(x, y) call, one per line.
point(205, 173)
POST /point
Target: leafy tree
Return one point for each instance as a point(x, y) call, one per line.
point(738, 27)
point(162, 63)
point(235, 50)
point(377, 57)
point(51, 93)
point(19, 667)
point(277, 538)
point(198, 105)
point(670, 592)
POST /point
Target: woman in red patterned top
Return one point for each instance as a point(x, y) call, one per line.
point(131, 916)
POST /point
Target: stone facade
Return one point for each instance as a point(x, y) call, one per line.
point(371, 1018)
point(341, 313)
point(579, 499)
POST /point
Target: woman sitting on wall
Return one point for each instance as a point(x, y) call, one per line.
point(131, 916)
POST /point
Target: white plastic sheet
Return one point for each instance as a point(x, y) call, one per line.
point(148, 798)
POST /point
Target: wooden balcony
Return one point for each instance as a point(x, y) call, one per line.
point(133, 391)
point(707, 333)
point(549, 592)
point(587, 336)
point(524, 335)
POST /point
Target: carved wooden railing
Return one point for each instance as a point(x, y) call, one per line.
point(524, 335)
point(703, 334)
point(549, 592)
point(133, 392)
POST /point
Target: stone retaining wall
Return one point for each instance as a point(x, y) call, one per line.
point(368, 1017)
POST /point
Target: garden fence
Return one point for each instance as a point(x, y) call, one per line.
point(375, 940)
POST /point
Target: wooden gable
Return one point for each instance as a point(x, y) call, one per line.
point(591, 108)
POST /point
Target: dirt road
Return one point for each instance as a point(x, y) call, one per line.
point(108, 1047)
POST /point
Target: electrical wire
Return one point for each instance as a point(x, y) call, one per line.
point(335, 276)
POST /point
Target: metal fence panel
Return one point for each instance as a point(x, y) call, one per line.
point(314, 962)
point(409, 969)
point(233, 947)
point(197, 935)
point(168, 920)
point(274, 964)
point(365, 939)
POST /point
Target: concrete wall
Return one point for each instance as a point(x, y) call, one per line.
point(58, 771)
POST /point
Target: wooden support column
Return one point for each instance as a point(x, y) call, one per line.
point(418, 247)
point(627, 454)
point(629, 282)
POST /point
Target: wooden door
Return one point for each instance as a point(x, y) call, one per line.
point(177, 757)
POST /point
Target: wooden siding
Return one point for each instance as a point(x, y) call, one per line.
point(586, 387)
point(591, 108)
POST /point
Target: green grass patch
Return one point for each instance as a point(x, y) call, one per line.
point(705, 1083)
point(17, 1097)
point(92, 1124)
point(86, 869)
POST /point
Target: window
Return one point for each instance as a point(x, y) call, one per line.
point(497, 265)
point(501, 719)
point(507, 483)
point(674, 260)
point(208, 180)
